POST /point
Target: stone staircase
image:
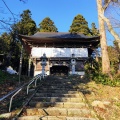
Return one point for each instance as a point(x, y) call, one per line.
point(58, 98)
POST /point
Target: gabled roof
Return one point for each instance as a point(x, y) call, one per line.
point(59, 39)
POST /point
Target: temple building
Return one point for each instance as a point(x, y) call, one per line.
point(59, 52)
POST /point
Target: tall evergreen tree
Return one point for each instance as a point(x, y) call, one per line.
point(94, 30)
point(80, 25)
point(4, 43)
point(26, 25)
point(10, 49)
point(47, 25)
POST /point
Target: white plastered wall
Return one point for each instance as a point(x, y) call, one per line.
point(59, 52)
point(37, 52)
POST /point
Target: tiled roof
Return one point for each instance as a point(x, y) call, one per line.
point(59, 35)
point(59, 39)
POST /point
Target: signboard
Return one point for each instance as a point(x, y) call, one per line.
point(59, 52)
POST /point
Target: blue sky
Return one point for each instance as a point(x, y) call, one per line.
point(62, 12)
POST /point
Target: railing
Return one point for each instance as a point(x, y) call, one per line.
point(12, 99)
point(39, 76)
point(10, 93)
point(16, 91)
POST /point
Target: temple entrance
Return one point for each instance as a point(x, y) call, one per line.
point(60, 70)
point(65, 52)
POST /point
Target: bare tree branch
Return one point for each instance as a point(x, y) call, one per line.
point(9, 10)
point(24, 1)
point(106, 5)
point(110, 28)
point(117, 12)
point(5, 22)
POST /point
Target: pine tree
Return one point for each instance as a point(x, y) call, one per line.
point(94, 30)
point(47, 25)
point(80, 25)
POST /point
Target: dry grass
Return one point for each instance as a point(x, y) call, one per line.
point(104, 93)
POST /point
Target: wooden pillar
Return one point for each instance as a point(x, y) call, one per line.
point(34, 63)
point(20, 64)
point(29, 66)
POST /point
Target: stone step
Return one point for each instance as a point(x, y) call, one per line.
point(58, 82)
point(54, 111)
point(62, 83)
point(57, 99)
point(57, 88)
point(53, 118)
point(58, 104)
point(58, 91)
point(56, 95)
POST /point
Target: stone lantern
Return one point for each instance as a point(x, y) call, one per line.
point(73, 63)
point(43, 63)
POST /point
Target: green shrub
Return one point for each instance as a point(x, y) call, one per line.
point(94, 72)
point(105, 80)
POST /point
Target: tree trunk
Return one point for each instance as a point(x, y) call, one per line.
point(105, 57)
